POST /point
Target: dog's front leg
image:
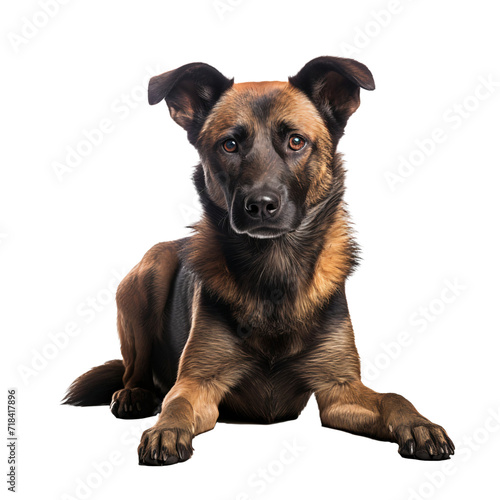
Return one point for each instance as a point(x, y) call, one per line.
point(190, 408)
point(353, 407)
point(333, 371)
point(211, 364)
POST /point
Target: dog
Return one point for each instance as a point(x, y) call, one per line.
point(247, 318)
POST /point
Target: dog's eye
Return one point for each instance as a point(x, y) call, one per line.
point(296, 142)
point(230, 146)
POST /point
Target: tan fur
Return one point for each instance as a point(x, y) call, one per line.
point(334, 360)
point(350, 406)
point(333, 263)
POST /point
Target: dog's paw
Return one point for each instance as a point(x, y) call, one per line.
point(134, 403)
point(163, 445)
point(424, 441)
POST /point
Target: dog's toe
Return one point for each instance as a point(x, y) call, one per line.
point(134, 403)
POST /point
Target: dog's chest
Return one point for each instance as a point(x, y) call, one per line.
point(273, 390)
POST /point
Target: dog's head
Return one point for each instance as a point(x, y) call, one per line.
point(267, 148)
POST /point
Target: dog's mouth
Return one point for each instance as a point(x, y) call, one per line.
point(264, 230)
point(264, 233)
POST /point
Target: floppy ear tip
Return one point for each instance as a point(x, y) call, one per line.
point(155, 94)
point(362, 75)
point(370, 84)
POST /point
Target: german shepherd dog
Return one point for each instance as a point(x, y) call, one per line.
point(244, 320)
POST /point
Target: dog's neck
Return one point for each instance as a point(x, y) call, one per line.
point(270, 278)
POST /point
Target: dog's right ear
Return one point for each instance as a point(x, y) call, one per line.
point(190, 93)
point(333, 84)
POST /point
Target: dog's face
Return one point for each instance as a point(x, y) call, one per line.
point(266, 148)
point(262, 146)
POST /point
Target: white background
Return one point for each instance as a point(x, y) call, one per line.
point(63, 239)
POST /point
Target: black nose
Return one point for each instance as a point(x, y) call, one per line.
point(262, 205)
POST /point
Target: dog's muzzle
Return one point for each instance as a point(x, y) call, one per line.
point(262, 212)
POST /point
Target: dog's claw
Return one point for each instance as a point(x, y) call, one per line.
point(423, 441)
point(165, 446)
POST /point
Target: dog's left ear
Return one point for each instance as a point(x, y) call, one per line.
point(333, 84)
point(190, 91)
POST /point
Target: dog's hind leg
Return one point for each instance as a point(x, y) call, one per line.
point(141, 299)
